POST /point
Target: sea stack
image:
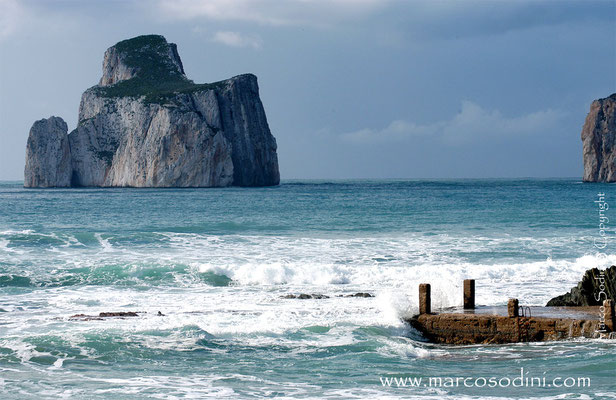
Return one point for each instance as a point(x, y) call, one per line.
point(147, 125)
point(48, 156)
point(599, 141)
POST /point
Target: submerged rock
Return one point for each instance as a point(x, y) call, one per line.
point(118, 314)
point(599, 141)
point(48, 156)
point(103, 315)
point(361, 294)
point(304, 296)
point(147, 125)
point(595, 286)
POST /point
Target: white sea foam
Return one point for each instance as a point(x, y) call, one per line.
point(257, 297)
point(533, 282)
point(263, 268)
point(104, 242)
point(13, 232)
point(251, 311)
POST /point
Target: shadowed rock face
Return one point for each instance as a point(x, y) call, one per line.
point(594, 284)
point(147, 125)
point(599, 141)
point(48, 158)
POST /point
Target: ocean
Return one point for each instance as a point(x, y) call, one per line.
point(217, 263)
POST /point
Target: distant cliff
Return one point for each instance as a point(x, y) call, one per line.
point(599, 141)
point(147, 125)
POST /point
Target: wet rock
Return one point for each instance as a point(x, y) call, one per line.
point(304, 296)
point(84, 317)
point(101, 316)
point(118, 314)
point(594, 287)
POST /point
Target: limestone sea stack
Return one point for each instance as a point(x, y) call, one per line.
point(599, 141)
point(48, 156)
point(147, 125)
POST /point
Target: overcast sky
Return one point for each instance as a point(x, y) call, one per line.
point(351, 88)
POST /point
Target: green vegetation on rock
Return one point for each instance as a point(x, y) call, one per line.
point(158, 78)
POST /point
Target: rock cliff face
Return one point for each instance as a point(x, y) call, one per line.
point(594, 287)
point(599, 141)
point(146, 125)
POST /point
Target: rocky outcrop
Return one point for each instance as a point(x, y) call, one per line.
point(147, 125)
point(305, 296)
point(48, 157)
point(110, 315)
point(599, 141)
point(360, 294)
point(596, 286)
point(318, 296)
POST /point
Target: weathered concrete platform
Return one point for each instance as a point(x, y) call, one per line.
point(458, 328)
point(511, 324)
point(587, 312)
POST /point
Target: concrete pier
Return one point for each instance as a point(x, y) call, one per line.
point(509, 324)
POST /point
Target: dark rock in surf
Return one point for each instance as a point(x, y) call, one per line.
point(595, 286)
point(304, 296)
point(103, 315)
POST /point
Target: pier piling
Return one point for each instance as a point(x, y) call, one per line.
point(512, 308)
point(425, 302)
point(469, 293)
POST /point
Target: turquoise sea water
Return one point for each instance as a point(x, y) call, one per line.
point(216, 263)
